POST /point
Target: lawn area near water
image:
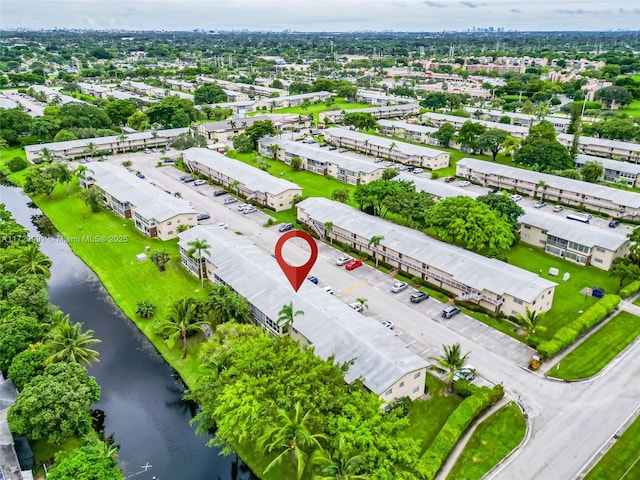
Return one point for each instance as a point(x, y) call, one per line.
point(108, 244)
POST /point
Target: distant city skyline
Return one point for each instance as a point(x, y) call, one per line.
point(321, 15)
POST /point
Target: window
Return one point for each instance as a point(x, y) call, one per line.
point(415, 390)
point(168, 223)
point(600, 249)
point(517, 300)
point(170, 232)
point(417, 375)
point(388, 392)
point(401, 384)
point(598, 260)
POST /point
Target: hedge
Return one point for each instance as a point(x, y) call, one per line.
point(568, 334)
point(630, 289)
point(477, 400)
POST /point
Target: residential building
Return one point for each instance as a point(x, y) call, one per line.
point(610, 201)
point(250, 182)
point(604, 147)
point(439, 190)
point(227, 129)
point(471, 89)
point(113, 144)
point(243, 107)
point(251, 90)
point(296, 100)
point(614, 171)
point(9, 463)
point(334, 330)
point(437, 119)
point(52, 96)
point(577, 242)
point(408, 131)
point(387, 111)
point(143, 89)
point(154, 212)
point(490, 283)
point(520, 119)
point(181, 85)
point(99, 91)
point(348, 169)
point(379, 99)
point(402, 152)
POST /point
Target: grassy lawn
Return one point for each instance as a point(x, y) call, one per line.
point(637, 302)
point(126, 280)
point(427, 417)
point(568, 302)
point(316, 108)
point(16, 178)
point(44, 452)
point(492, 440)
point(633, 109)
point(599, 349)
point(619, 459)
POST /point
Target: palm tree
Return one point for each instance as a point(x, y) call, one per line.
point(45, 156)
point(328, 230)
point(70, 344)
point(199, 246)
point(181, 322)
point(90, 149)
point(541, 184)
point(375, 241)
point(528, 320)
point(274, 150)
point(227, 306)
point(392, 146)
point(286, 316)
point(341, 465)
point(234, 184)
point(33, 261)
point(81, 172)
point(293, 436)
point(121, 139)
point(363, 302)
point(449, 362)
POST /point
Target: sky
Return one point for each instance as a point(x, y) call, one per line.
point(322, 15)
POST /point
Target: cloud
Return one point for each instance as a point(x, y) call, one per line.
point(635, 11)
point(581, 11)
point(515, 10)
point(399, 4)
point(429, 3)
point(471, 4)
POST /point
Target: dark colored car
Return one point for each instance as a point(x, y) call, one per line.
point(614, 223)
point(285, 227)
point(313, 279)
point(449, 179)
point(218, 193)
point(418, 297)
point(353, 264)
point(203, 216)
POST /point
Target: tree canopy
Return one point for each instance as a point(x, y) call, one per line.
point(209, 93)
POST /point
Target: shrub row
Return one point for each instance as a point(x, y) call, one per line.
point(568, 334)
point(630, 289)
point(477, 400)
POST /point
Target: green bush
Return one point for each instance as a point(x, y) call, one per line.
point(630, 289)
point(479, 400)
point(17, 163)
point(435, 175)
point(568, 334)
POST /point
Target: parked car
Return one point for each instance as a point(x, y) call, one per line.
point(285, 227)
point(184, 177)
point(342, 150)
point(219, 193)
point(494, 190)
point(146, 150)
point(417, 297)
point(203, 216)
point(230, 200)
point(223, 225)
point(515, 197)
point(140, 175)
point(249, 209)
point(540, 204)
point(357, 306)
point(329, 290)
point(169, 160)
point(450, 311)
point(322, 145)
point(388, 324)
point(333, 147)
point(189, 179)
point(197, 183)
point(353, 264)
point(558, 208)
point(464, 183)
point(313, 279)
point(343, 260)
point(417, 171)
point(154, 150)
point(467, 372)
point(399, 286)
point(614, 223)
point(378, 160)
point(449, 179)
point(242, 206)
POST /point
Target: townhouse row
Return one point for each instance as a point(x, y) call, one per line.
point(390, 111)
point(227, 129)
point(154, 212)
point(331, 327)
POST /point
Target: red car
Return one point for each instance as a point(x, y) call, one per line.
point(353, 264)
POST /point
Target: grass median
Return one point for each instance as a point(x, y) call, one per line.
point(599, 349)
point(491, 441)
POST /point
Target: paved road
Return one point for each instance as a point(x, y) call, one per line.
point(569, 422)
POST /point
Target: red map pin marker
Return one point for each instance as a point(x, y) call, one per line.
point(296, 275)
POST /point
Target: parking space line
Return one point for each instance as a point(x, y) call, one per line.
point(353, 287)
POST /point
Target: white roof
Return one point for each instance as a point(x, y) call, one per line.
point(577, 232)
point(364, 165)
point(437, 189)
point(468, 268)
point(251, 177)
point(148, 201)
point(385, 108)
point(333, 328)
point(614, 195)
point(602, 142)
point(244, 122)
point(410, 127)
point(406, 148)
point(610, 164)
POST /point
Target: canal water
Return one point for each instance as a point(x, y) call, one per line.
point(141, 394)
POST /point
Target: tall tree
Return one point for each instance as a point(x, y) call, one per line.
point(293, 438)
point(328, 230)
point(160, 259)
point(33, 261)
point(592, 172)
point(181, 322)
point(375, 241)
point(450, 361)
point(199, 246)
point(69, 343)
point(492, 140)
point(286, 315)
point(446, 132)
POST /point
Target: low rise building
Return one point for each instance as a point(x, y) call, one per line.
point(615, 171)
point(252, 183)
point(251, 90)
point(380, 99)
point(113, 144)
point(577, 242)
point(99, 91)
point(409, 131)
point(610, 201)
point(297, 100)
point(331, 327)
point(227, 129)
point(604, 147)
point(492, 284)
point(348, 169)
point(439, 190)
point(387, 111)
point(154, 212)
point(402, 152)
point(520, 119)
